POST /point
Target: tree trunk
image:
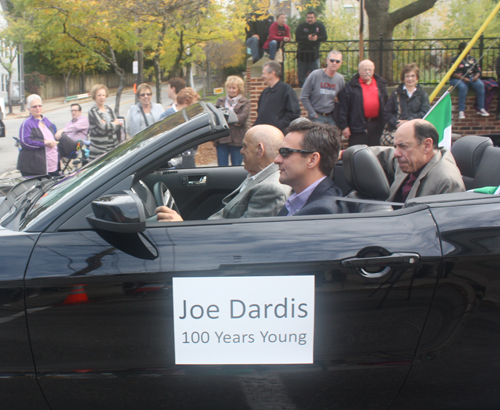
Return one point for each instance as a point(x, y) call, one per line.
point(9, 97)
point(382, 24)
point(66, 79)
point(176, 68)
point(82, 81)
point(120, 72)
point(156, 62)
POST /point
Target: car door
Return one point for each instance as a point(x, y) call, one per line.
point(106, 335)
point(198, 191)
point(458, 356)
point(16, 364)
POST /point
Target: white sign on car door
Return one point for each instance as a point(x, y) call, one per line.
point(244, 320)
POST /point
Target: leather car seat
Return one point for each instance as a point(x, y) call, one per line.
point(478, 161)
point(468, 152)
point(366, 177)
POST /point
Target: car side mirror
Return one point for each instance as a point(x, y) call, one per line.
point(122, 212)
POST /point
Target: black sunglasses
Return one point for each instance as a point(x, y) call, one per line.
point(143, 94)
point(332, 60)
point(286, 152)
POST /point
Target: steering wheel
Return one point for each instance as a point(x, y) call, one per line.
point(163, 196)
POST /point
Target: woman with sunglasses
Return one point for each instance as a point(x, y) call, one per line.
point(102, 123)
point(39, 154)
point(144, 113)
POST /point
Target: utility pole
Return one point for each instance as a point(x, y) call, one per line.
point(361, 27)
point(20, 62)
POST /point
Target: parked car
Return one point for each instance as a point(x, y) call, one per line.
point(103, 307)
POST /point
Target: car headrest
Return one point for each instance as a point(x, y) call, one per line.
point(364, 173)
point(468, 152)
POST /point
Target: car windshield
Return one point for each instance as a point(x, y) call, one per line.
point(122, 153)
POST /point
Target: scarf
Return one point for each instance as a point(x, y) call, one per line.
point(231, 102)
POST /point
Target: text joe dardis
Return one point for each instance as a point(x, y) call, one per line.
point(238, 309)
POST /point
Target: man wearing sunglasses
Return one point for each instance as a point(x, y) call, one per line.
point(261, 193)
point(78, 127)
point(306, 160)
point(321, 88)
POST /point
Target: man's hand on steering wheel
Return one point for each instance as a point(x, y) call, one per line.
point(165, 214)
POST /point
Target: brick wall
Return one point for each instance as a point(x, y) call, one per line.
point(471, 125)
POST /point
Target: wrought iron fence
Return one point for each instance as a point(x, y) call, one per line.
point(433, 56)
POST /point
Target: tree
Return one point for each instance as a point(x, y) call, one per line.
point(93, 25)
point(382, 22)
point(157, 19)
point(225, 54)
point(464, 17)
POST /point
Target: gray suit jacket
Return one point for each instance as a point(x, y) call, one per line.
point(262, 196)
point(440, 176)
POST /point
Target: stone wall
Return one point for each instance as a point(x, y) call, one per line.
point(473, 124)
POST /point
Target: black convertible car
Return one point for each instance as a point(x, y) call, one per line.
point(102, 307)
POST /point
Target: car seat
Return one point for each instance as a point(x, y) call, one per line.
point(478, 161)
point(366, 177)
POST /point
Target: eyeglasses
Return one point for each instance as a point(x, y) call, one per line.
point(36, 106)
point(144, 94)
point(75, 110)
point(332, 60)
point(286, 152)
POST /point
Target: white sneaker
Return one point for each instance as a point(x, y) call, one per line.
point(483, 113)
point(461, 115)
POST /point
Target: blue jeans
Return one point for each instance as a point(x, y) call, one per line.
point(303, 67)
point(321, 119)
point(273, 47)
point(223, 152)
point(253, 45)
point(477, 85)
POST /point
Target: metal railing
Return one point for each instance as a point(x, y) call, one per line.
point(433, 56)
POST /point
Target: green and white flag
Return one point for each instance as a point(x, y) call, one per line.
point(440, 116)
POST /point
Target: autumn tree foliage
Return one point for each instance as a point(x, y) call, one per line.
point(170, 33)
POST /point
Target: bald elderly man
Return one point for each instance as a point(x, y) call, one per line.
point(416, 165)
point(261, 193)
point(361, 106)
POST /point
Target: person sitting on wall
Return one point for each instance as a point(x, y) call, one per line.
point(468, 75)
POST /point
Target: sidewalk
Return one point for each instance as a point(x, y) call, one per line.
point(50, 104)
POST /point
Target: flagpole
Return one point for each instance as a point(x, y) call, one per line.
point(438, 101)
point(464, 53)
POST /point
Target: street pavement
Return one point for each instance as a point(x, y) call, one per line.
point(59, 114)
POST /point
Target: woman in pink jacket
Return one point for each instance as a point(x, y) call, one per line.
point(279, 32)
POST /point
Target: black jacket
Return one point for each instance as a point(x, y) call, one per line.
point(308, 51)
point(412, 107)
point(351, 111)
point(255, 25)
point(278, 106)
point(323, 201)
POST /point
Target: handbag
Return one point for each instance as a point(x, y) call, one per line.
point(387, 138)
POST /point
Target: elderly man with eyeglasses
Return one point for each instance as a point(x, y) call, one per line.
point(78, 127)
point(362, 103)
point(306, 160)
point(320, 91)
